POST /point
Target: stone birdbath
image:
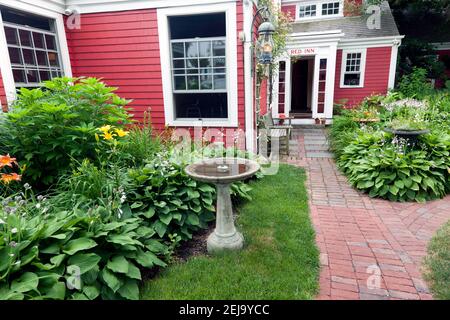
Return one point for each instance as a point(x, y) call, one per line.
point(222, 172)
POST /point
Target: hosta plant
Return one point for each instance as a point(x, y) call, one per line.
point(72, 254)
point(387, 169)
point(169, 199)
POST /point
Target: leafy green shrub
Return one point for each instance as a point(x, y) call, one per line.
point(415, 84)
point(437, 263)
point(51, 126)
point(388, 169)
point(48, 253)
point(169, 199)
point(342, 132)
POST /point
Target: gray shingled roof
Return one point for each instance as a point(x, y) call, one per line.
point(353, 27)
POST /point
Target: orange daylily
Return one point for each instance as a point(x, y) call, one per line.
point(8, 177)
point(7, 161)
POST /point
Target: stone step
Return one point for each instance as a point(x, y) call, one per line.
point(316, 148)
point(315, 138)
point(319, 154)
point(316, 141)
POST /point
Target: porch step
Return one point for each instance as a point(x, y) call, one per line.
point(316, 141)
point(319, 155)
point(313, 147)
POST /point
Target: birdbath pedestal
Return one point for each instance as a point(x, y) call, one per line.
point(222, 172)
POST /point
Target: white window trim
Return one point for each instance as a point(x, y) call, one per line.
point(318, 15)
point(5, 62)
point(344, 64)
point(231, 61)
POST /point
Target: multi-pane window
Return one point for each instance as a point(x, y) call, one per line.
point(199, 66)
point(307, 11)
point(330, 8)
point(32, 47)
point(353, 69)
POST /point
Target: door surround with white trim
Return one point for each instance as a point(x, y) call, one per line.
point(319, 47)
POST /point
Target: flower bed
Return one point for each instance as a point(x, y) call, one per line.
point(90, 203)
point(379, 159)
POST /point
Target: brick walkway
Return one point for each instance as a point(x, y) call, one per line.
point(359, 237)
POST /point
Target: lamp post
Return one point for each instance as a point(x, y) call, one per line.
point(264, 44)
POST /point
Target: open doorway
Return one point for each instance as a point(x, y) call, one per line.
point(302, 84)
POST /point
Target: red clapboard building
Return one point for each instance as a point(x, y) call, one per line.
point(189, 61)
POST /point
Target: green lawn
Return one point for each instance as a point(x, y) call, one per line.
point(280, 260)
point(437, 264)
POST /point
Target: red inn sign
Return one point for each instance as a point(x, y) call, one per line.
point(298, 52)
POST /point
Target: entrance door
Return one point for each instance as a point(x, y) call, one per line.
point(301, 92)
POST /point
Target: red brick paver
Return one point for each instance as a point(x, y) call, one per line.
point(370, 248)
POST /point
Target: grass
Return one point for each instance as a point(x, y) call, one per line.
point(437, 264)
point(280, 260)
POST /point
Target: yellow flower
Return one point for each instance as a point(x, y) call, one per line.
point(105, 129)
point(108, 135)
point(121, 133)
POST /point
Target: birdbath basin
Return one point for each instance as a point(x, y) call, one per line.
point(222, 172)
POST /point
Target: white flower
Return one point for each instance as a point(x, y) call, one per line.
point(38, 206)
point(2, 221)
point(14, 230)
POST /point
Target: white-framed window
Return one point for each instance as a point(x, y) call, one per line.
point(33, 48)
point(353, 68)
point(319, 10)
point(199, 64)
point(331, 8)
point(307, 11)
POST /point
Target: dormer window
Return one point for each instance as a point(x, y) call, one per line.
point(307, 11)
point(330, 8)
point(319, 10)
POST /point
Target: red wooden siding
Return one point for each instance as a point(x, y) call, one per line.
point(240, 65)
point(376, 77)
point(289, 9)
point(123, 49)
point(2, 94)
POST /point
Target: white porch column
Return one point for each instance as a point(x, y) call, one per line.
point(250, 129)
point(331, 77)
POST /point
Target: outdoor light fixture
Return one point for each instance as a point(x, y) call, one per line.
point(265, 43)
